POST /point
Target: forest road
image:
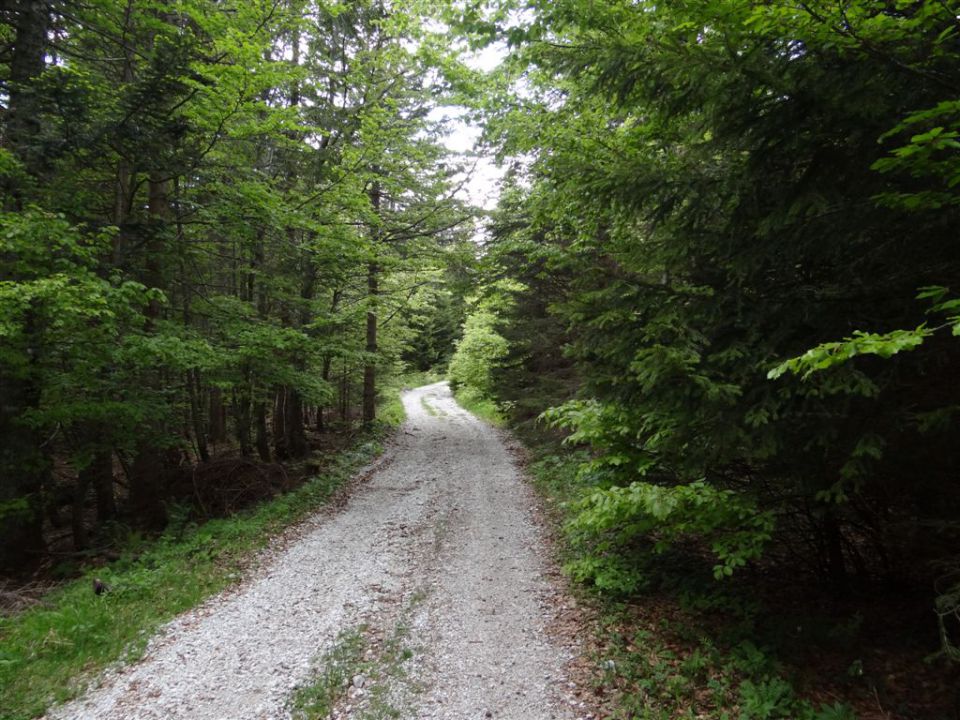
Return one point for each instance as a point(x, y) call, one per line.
point(435, 567)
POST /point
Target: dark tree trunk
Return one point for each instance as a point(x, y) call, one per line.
point(370, 367)
point(835, 563)
point(295, 432)
point(243, 421)
point(279, 424)
point(196, 414)
point(263, 438)
point(146, 482)
point(325, 374)
point(327, 362)
point(373, 289)
point(77, 523)
point(344, 394)
point(101, 476)
point(218, 418)
point(23, 116)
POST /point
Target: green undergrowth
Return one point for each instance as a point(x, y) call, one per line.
point(382, 661)
point(682, 645)
point(47, 653)
point(428, 408)
point(480, 405)
point(331, 680)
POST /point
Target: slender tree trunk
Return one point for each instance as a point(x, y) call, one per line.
point(78, 526)
point(373, 290)
point(296, 435)
point(243, 421)
point(279, 423)
point(370, 367)
point(101, 476)
point(344, 393)
point(327, 361)
point(146, 490)
point(835, 562)
point(325, 375)
point(196, 413)
point(263, 442)
point(217, 412)
point(27, 62)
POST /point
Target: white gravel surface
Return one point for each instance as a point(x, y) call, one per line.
point(443, 532)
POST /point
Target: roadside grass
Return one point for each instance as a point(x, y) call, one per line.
point(49, 652)
point(684, 647)
point(480, 405)
point(428, 408)
point(382, 663)
point(331, 682)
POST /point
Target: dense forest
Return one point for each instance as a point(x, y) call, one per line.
point(723, 268)
point(720, 284)
point(222, 223)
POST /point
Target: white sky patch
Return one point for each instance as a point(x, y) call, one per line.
point(482, 187)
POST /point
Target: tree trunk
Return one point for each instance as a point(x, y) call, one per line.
point(296, 435)
point(76, 517)
point(370, 366)
point(196, 414)
point(327, 362)
point(263, 441)
point(28, 60)
point(146, 491)
point(373, 281)
point(218, 420)
point(243, 421)
point(325, 375)
point(835, 564)
point(101, 475)
point(279, 418)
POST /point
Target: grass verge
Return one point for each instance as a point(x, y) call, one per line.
point(480, 405)
point(48, 652)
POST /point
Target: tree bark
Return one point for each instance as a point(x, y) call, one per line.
point(263, 441)
point(373, 290)
point(241, 412)
point(146, 483)
point(101, 475)
point(23, 116)
point(196, 413)
point(76, 516)
point(218, 420)
point(370, 367)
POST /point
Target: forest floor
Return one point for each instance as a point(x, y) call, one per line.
point(428, 594)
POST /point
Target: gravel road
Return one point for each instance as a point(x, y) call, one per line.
point(438, 550)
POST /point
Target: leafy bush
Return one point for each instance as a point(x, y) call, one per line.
point(477, 354)
point(614, 518)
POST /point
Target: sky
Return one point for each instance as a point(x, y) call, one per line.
point(482, 187)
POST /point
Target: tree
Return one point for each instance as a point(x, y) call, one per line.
point(191, 238)
point(707, 173)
